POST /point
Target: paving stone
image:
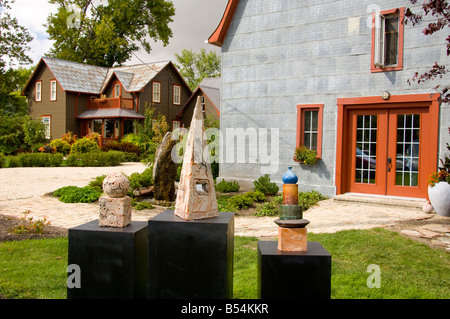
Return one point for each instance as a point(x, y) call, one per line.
point(411, 233)
point(427, 233)
point(437, 228)
point(445, 240)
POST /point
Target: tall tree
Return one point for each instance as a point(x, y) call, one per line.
point(14, 40)
point(107, 34)
point(194, 67)
point(439, 13)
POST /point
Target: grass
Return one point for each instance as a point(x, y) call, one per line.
point(409, 269)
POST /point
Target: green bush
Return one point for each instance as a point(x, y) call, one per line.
point(84, 145)
point(308, 199)
point(61, 146)
point(227, 187)
point(34, 160)
point(269, 208)
point(2, 160)
point(265, 186)
point(305, 155)
point(97, 183)
point(140, 180)
point(96, 159)
point(126, 147)
point(143, 205)
point(246, 200)
point(74, 194)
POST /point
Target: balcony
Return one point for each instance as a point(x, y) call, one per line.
point(110, 103)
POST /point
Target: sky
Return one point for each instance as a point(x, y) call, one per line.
point(194, 22)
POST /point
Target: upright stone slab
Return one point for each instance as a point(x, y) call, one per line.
point(190, 259)
point(196, 197)
point(164, 170)
point(112, 261)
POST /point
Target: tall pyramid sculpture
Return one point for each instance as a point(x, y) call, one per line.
point(196, 197)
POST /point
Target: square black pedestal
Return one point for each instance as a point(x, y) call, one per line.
point(293, 275)
point(190, 259)
point(112, 261)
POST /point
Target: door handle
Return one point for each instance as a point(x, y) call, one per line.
point(389, 163)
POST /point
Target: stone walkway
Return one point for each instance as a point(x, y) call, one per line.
point(27, 186)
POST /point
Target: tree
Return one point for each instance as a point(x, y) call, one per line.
point(14, 40)
point(194, 67)
point(107, 34)
point(439, 10)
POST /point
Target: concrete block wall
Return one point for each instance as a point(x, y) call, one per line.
point(279, 53)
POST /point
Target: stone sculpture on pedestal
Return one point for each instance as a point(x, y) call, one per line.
point(115, 208)
point(196, 196)
point(292, 233)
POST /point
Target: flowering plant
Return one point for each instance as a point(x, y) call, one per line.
point(443, 175)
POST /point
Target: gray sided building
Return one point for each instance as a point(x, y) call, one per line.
point(331, 75)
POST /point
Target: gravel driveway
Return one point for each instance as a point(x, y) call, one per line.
point(26, 182)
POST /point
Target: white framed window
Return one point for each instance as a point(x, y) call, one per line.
point(176, 94)
point(53, 90)
point(38, 91)
point(116, 90)
point(176, 125)
point(46, 120)
point(202, 100)
point(156, 92)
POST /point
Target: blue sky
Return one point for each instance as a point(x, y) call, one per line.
point(194, 22)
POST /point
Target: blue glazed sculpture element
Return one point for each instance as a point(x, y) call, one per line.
point(289, 177)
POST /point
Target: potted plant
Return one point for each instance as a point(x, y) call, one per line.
point(305, 155)
point(439, 188)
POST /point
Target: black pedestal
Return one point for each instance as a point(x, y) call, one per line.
point(190, 259)
point(112, 261)
point(293, 275)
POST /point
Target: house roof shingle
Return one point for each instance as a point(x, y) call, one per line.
point(90, 79)
point(112, 113)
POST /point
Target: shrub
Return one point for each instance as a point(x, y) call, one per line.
point(95, 159)
point(143, 205)
point(269, 208)
point(227, 187)
point(266, 187)
point(74, 194)
point(2, 160)
point(126, 147)
point(97, 183)
point(84, 145)
point(69, 137)
point(140, 180)
point(35, 160)
point(308, 199)
point(61, 146)
point(29, 225)
point(47, 149)
point(246, 200)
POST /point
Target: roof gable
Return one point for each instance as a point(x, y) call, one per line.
point(220, 33)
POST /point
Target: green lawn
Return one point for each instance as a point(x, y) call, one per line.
point(408, 269)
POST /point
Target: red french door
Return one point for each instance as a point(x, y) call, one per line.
point(387, 151)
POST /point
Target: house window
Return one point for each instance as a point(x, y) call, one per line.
point(176, 94)
point(309, 126)
point(387, 40)
point(116, 90)
point(176, 125)
point(156, 92)
point(202, 100)
point(46, 120)
point(38, 91)
point(128, 127)
point(53, 90)
point(109, 128)
point(97, 126)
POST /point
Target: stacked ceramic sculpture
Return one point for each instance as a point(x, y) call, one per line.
point(292, 232)
point(115, 207)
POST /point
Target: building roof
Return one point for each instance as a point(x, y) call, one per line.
point(90, 79)
point(111, 113)
point(211, 89)
point(220, 33)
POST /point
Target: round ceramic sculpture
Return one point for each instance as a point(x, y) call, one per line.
point(289, 177)
point(116, 185)
point(427, 208)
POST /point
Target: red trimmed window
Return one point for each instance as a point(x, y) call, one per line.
point(309, 126)
point(387, 40)
point(117, 90)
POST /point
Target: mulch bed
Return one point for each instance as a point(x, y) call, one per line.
point(8, 222)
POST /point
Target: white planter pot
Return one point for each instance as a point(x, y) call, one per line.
point(439, 195)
